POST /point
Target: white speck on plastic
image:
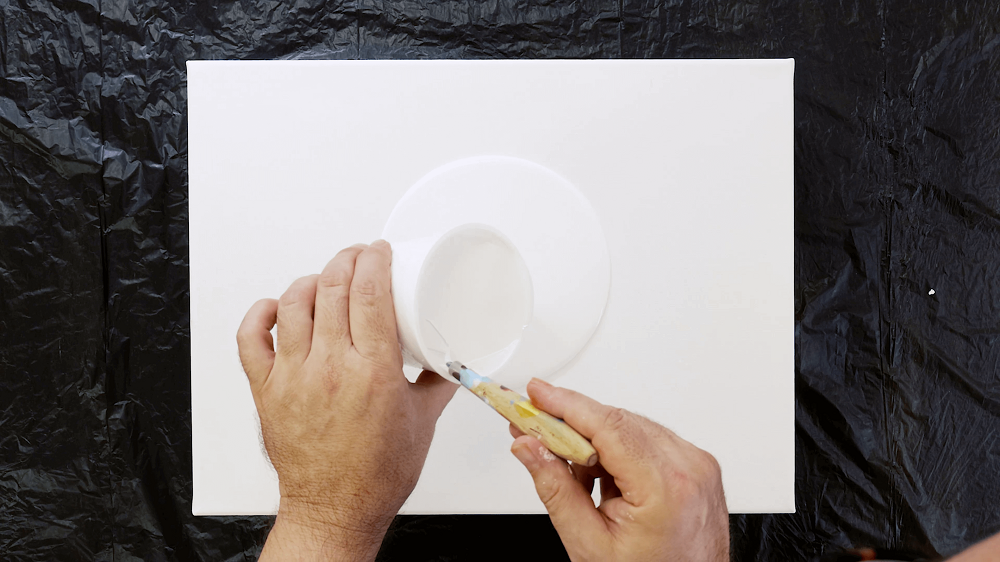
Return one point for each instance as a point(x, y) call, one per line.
point(931, 292)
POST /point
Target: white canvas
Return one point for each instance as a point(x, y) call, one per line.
point(688, 164)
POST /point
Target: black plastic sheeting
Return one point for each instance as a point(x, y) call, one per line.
point(897, 254)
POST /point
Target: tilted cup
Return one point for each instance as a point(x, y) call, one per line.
point(464, 294)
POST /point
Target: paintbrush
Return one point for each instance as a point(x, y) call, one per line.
point(553, 432)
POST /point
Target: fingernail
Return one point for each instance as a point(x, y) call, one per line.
point(379, 243)
point(524, 454)
point(540, 382)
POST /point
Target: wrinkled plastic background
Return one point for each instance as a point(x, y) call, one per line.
point(897, 192)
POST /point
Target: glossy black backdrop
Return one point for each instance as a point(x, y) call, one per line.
point(897, 192)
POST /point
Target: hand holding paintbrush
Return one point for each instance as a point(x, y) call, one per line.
point(551, 431)
point(660, 495)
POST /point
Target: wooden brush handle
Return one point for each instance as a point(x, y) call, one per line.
point(553, 432)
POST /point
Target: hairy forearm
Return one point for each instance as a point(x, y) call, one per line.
point(303, 533)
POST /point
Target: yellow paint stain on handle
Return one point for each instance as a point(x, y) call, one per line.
point(554, 433)
point(526, 409)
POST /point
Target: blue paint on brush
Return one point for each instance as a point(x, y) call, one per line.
point(465, 375)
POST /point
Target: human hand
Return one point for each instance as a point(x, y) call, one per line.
point(661, 497)
point(987, 550)
point(344, 429)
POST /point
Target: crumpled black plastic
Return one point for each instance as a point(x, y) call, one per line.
point(897, 256)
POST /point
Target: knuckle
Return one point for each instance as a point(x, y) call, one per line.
point(334, 278)
point(244, 332)
point(617, 419)
point(710, 464)
point(550, 491)
point(353, 249)
point(241, 337)
point(367, 289)
point(682, 485)
point(287, 298)
point(294, 293)
point(702, 473)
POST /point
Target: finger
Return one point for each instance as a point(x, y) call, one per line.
point(434, 392)
point(255, 342)
point(625, 448)
point(515, 432)
point(295, 318)
point(618, 511)
point(332, 329)
point(372, 318)
point(612, 505)
point(570, 507)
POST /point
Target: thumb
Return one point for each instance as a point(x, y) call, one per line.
point(434, 393)
point(570, 507)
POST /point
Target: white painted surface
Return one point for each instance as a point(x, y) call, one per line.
point(687, 163)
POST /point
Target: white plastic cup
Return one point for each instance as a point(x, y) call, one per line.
point(464, 294)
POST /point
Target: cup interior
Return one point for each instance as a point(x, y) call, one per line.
point(473, 299)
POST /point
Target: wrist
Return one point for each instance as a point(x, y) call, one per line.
point(306, 530)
